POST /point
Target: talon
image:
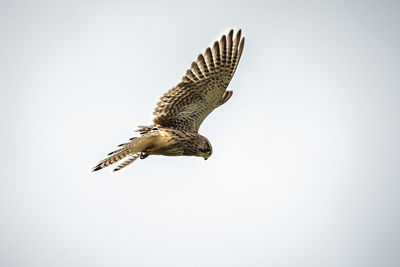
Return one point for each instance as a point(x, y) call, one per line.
point(143, 155)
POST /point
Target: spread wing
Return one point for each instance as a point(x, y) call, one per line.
point(203, 88)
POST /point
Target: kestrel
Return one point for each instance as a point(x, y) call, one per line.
point(181, 110)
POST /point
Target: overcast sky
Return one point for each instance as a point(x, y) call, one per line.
point(305, 169)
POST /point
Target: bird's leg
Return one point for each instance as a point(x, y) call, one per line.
point(144, 154)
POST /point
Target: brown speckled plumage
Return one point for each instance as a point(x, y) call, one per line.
point(181, 110)
point(186, 105)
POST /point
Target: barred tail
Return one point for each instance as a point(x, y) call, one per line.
point(131, 159)
point(111, 160)
point(131, 149)
point(127, 149)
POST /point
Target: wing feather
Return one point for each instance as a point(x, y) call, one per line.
point(203, 65)
point(216, 54)
point(229, 46)
point(192, 77)
point(196, 70)
point(222, 48)
point(203, 88)
point(209, 59)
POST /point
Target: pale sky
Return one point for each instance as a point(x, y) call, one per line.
point(305, 167)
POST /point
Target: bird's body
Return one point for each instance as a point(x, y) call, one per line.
point(183, 108)
point(159, 141)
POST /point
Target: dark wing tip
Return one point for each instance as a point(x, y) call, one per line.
point(223, 38)
point(238, 35)
point(216, 45)
point(193, 65)
point(200, 57)
point(241, 45)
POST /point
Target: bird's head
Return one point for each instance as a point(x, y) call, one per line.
point(204, 148)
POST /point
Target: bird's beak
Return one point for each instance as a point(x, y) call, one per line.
point(205, 158)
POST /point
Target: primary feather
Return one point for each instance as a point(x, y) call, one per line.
point(201, 90)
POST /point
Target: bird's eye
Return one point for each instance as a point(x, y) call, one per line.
point(205, 150)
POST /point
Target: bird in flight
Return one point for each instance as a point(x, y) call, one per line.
point(181, 110)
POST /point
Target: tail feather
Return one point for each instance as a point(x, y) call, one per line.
point(130, 149)
point(131, 159)
point(115, 151)
point(111, 160)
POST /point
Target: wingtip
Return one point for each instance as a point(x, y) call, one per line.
point(200, 58)
point(241, 45)
point(238, 36)
point(216, 44)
